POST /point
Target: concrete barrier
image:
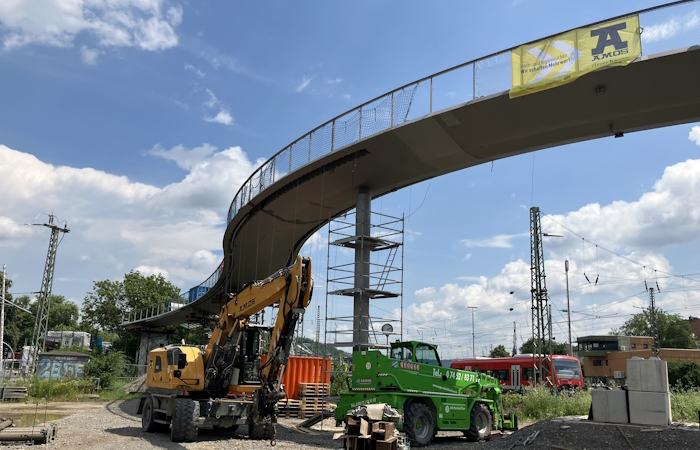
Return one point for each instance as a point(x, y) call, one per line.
point(650, 408)
point(609, 405)
point(647, 375)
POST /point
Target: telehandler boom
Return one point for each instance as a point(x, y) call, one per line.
point(224, 384)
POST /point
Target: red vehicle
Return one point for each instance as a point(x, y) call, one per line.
point(518, 371)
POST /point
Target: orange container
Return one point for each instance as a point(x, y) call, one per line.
point(304, 369)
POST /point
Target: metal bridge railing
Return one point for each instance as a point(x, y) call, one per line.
point(665, 28)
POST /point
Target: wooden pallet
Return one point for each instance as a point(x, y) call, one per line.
point(314, 390)
point(299, 409)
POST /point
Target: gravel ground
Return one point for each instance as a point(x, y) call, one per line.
point(115, 426)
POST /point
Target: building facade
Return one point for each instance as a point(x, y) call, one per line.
point(605, 357)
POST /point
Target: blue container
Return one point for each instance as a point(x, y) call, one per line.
point(99, 342)
point(197, 292)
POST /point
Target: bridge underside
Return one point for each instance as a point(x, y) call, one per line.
point(267, 234)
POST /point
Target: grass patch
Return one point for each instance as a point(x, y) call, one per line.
point(116, 393)
point(685, 404)
point(539, 403)
point(55, 390)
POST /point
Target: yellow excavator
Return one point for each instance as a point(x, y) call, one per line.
point(226, 383)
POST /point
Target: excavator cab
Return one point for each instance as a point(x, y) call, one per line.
point(253, 345)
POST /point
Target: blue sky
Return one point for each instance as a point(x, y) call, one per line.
point(137, 120)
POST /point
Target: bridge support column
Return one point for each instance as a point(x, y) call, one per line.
point(363, 219)
point(149, 341)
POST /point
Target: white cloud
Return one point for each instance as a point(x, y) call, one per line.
point(223, 117)
point(112, 23)
point(500, 241)
point(118, 224)
point(304, 83)
point(89, 55)
point(694, 135)
point(467, 257)
point(196, 71)
point(346, 96)
point(334, 81)
point(182, 156)
point(604, 287)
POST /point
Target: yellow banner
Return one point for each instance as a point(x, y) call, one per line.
point(563, 58)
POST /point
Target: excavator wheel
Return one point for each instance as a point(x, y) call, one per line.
point(147, 423)
point(419, 424)
point(260, 431)
point(184, 422)
point(479, 423)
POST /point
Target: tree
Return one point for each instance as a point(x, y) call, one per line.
point(557, 348)
point(109, 301)
point(19, 325)
point(105, 305)
point(684, 374)
point(499, 352)
point(674, 330)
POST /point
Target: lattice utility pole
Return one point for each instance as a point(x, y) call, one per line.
point(515, 342)
point(41, 322)
point(654, 325)
point(538, 285)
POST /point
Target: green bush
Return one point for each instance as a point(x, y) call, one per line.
point(684, 374)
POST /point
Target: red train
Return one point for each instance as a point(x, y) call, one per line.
point(515, 372)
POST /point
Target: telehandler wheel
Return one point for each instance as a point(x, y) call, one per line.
point(184, 422)
point(260, 431)
point(147, 423)
point(479, 423)
point(419, 424)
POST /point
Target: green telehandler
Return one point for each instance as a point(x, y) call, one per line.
point(430, 397)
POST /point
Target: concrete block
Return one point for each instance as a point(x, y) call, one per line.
point(647, 375)
point(649, 408)
point(609, 406)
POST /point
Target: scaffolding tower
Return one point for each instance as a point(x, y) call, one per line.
point(375, 273)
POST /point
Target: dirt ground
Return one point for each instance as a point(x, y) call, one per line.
point(115, 426)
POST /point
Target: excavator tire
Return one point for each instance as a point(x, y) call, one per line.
point(260, 431)
point(147, 423)
point(419, 424)
point(479, 423)
point(184, 422)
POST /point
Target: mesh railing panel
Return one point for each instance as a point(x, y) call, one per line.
point(347, 130)
point(321, 141)
point(377, 118)
point(493, 75)
point(281, 164)
point(300, 153)
point(403, 99)
point(670, 28)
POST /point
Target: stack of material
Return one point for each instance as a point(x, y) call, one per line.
point(12, 392)
point(312, 401)
point(645, 401)
point(36, 435)
point(647, 391)
point(371, 427)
